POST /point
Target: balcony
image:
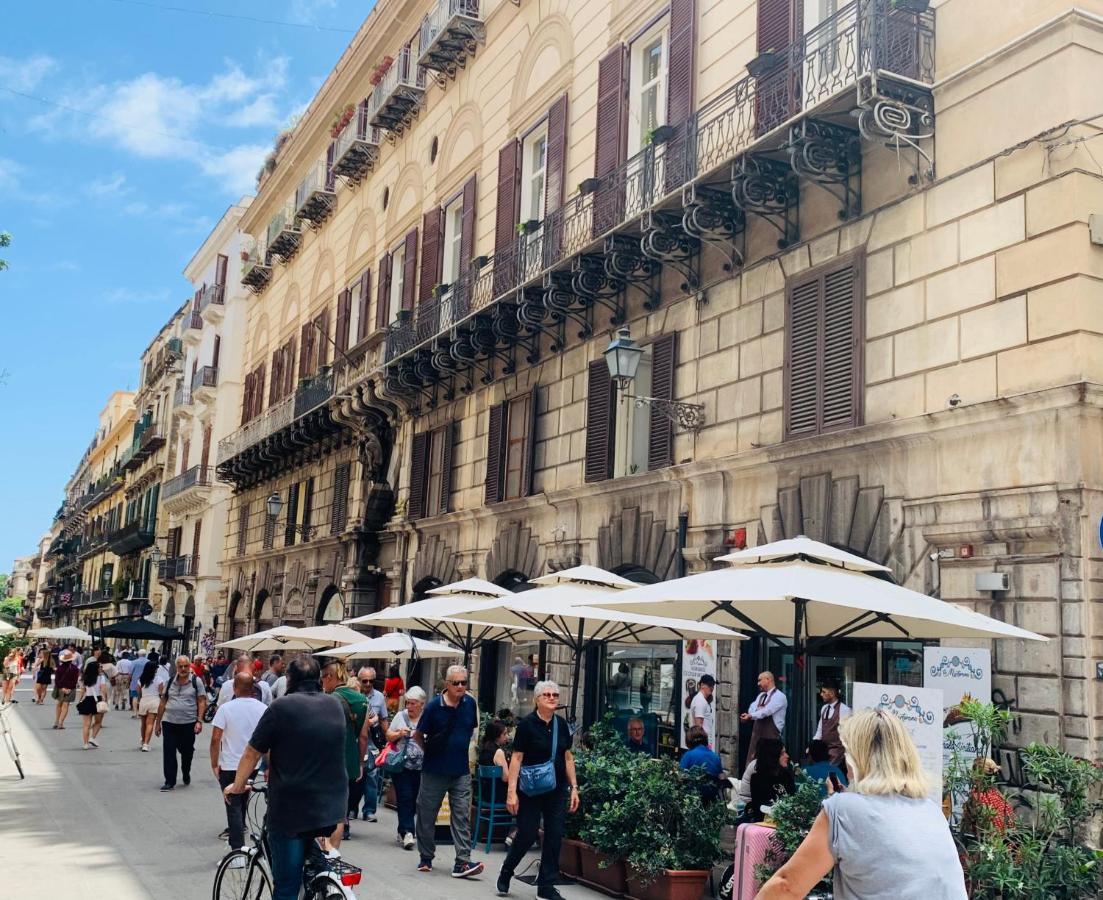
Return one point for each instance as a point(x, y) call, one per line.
point(151, 440)
point(176, 568)
point(136, 535)
point(316, 195)
point(860, 77)
point(187, 492)
point(256, 270)
point(183, 402)
point(449, 35)
point(285, 233)
point(194, 322)
point(267, 443)
point(82, 599)
point(357, 147)
point(395, 102)
point(212, 303)
point(204, 382)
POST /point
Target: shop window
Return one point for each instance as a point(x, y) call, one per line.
point(640, 680)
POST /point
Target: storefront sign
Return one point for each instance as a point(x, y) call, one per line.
point(698, 658)
point(920, 711)
point(958, 672)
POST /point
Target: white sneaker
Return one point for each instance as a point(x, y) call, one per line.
point(145, 748)
point(238, 862)
point(92, 741)
point(85, 746)
point(407, 842)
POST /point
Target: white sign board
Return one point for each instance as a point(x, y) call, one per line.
point(957, 672)
point(698, 658)
point(920, 711)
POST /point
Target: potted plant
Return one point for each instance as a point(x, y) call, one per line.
point(793, 816)
point(660, 135)
point(528, 227)
point(912, 6)
point(764, 63)
point(588, 185)
point(341, 118)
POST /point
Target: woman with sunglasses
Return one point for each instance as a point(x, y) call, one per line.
point(541, 737)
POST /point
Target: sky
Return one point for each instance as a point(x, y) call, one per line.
point(127, 128)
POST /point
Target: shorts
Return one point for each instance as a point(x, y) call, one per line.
point(133, 695)
point(147, 706)
point(63, 698)
point(10, 676)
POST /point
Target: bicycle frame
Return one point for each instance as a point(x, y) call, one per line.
point(9, 739)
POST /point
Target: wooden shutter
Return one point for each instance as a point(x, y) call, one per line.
point(277, 376)
point(339, 509)
point(321, 336)
point(382, 319)
point(679, 79)
point(447, 434)
point(242, 528)
point(205, 452)
point(467, 224)
point(195, 544)
point(599, 422)
point(409, 272)
point(258, 396)
point(556, 169)
point(529, 460)
point(173, 549)
point(364, 300)
point(308, 507)
point(780, 23)
point(495, 453)
point(611, 134)
point(247, 398)
point(216, 353)
point(431, 226)
point(660, 430)
point(506, 213)
point(802, 358)
point(292, 514)
point(419, 472)
point(289, 367)
point(344, 310)
point(221, 263)
point(185, 451)
point(306, 361)
point(777, 20)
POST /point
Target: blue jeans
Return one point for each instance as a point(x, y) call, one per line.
point(373, 782)
point(406, 784)
point(287, 853)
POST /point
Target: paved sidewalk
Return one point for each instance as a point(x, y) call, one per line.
point(90, 823)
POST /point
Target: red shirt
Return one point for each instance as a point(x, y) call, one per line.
point(393, 687)
point(199, 669)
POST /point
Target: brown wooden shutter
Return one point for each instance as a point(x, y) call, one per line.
point(506, 213)
point(382, 319)
point(409, 272)
point(344, 308)
point(292, 514)
point(802, 359)
point(660, 430)
point(776, 21)
point(258, 397)
point(289, 367)
point(242, 528)
point(205, 451)
point(841, 373)
point(611, 134)
point(529, 460)
point(679, 80)
point(308, 507)
point(277, 376)
point(220, 264)
point(431, 226)
point(419, 472)
point(247, 398)
point(174, 541)
point(321, 335)
point(467, 224)
point(339, 509)
point(599, 422)
point(185, 451)
point(306, 365)
point(556, 168)
point(495, 453)
point(195, 544)
point(447, 434)
point(364, 300)
point(216, 352)
point(780, 23)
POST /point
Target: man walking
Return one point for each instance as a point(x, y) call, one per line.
point(230, 732)
point(275, 670)
point(135, 676)
point(355, 708)
point(261, 689)
point(120, 691)
point(180, 716)
point(444, 733)
point(377, 716)
point(303, 736)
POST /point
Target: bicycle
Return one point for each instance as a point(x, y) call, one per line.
point(246, 873)
point(9, 740)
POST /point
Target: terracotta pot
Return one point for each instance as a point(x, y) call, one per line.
point(611, 880)
point(569, 863)
point(671, 884)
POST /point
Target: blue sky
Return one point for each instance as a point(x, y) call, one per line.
point(107, 205)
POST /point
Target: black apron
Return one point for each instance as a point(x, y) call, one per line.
point(764, 728)
point(829, 733)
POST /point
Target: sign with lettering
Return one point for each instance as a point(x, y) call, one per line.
point(698, 658)
point(958, 672)
point(920, 711)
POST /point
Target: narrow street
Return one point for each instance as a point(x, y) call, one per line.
point(93, 823)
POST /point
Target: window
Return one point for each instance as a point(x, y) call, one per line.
point(397, 281)
point(431, 472)
point(510, 442)
point(436, 471)
point(351, 333)
point(631, 424)
point(451, 241)
point(242, 528)
point(647, 86)
point(534, 167)
point(291, 526)
point(823, 379)
point(517, 447)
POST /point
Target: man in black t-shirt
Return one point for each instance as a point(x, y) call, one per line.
point(304, 735)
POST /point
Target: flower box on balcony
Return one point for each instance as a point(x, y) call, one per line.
point(588, 185)
point(764, 63)
point(529, 227)
point(661, 135)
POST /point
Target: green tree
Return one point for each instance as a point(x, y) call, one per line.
point(11, 607)
point(5, 241)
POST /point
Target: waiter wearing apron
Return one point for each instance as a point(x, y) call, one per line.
point(832, 713)
point(767, 712)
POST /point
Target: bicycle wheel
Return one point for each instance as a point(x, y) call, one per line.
point(13, 751)
point(239, 878)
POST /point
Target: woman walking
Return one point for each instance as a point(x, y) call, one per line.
point(884, 837)
point(92, 704)
point(149, 700)
point(393, 688)
point(542, 786)
point(65, 685)
point(13, 668)
point(43, 675)
point(408, 781)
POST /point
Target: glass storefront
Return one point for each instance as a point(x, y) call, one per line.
point(516, 671)
point(641, 680)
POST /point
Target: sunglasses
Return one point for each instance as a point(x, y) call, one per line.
point(362, 681)
point(458, 683)
point(550, 695)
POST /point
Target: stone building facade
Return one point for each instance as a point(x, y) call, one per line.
point(868, 262)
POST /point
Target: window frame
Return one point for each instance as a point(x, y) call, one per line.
point(518, 445)
point(658, 30)
point(397, 280)
point(537, 132)
point(451, 240)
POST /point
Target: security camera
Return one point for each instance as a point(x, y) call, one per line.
point(953, 400)
point(933, 557)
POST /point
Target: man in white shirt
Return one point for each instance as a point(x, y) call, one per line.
point(121, 691)
point(701, 708)
point(832, 713)
point(230, 732)
point(767, 712)
point(243, 664)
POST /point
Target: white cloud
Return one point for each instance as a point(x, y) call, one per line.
point(133, 297)
point(307, 10)
point(25, 74)
point(113, 186)
point(10, 174)
point(261, 111)
point(237, 168)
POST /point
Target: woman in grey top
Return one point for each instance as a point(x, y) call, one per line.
point(884, 837)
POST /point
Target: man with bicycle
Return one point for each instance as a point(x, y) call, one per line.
point(233, 725)
point(304, 738)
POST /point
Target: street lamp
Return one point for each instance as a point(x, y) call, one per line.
point(155, 555)
point(274, 505)
point(622, 356)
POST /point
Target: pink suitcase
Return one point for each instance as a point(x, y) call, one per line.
point(752, 842)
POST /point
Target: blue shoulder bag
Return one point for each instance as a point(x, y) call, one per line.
point(540, 778)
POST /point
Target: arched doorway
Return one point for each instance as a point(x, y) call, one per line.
point(262, 611)
point(189, 623)
point(331, 608)
point(235, 617)
point(170, 611)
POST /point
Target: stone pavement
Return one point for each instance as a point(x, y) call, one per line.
point(92, 823)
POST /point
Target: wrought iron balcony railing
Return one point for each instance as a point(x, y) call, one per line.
point(256, 269)
point(285, 232)
point(205, 377)
point(316, 195)
point(176, 567)
point(196, 476)
point(182, 399)
point(357, 147)
point(652, 209)
point(212, 294)
point(307, 398)
point(133, 536)
point(449, 34)
point(397, 98)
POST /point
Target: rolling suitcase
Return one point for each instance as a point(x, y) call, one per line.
point(752, 841)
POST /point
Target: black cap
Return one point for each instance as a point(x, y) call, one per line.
point(707, 680)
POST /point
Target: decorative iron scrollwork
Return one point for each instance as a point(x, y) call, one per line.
point(709, 214)
point(563, 306)
point(591, 281)
point(901, 116)
point(830, 156)
point(624, 261)
point(768, 188)
point(664, 240)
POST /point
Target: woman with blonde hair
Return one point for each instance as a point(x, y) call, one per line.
point(884, 837)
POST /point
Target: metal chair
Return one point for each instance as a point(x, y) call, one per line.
point(490, 809)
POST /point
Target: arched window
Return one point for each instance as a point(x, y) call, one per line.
point(263, 607)
point(235, 617)
point(331, 608)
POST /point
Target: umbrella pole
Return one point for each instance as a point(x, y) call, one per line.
point(577, 673)
point(798, 731)
point(467, 648)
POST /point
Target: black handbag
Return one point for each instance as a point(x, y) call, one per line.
point(87, 705)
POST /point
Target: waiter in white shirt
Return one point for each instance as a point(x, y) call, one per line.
point(767, 712)
point(832, 713)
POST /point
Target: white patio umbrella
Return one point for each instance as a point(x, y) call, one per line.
point(816, 594)
point(394, 644)
point(282, 637)
point(329, 635)
point(68, 633)
point(7, 627)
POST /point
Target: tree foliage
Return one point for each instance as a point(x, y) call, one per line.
point(5, 241)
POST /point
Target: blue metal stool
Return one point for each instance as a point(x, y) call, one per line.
point(490, 809)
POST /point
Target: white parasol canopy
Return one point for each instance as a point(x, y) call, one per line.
point(7, 627)
point(329, 635)
point(67, 633)
point(801, 548)
point(476, 586)
point(282, 637)
point(394, 644)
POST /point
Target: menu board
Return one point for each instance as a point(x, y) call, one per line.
point(920, 710)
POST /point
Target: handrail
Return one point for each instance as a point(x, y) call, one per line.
point(318, 179)
point(204, 377)
point(440, 15)
point(283, 220)
point(310, 396)
point(201, 476)
point(212, 293)
point(357, 129)
point(397, 76)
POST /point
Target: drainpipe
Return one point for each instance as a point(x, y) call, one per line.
point(683, 531)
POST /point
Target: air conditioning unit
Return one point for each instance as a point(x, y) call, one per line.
point(993, 581)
